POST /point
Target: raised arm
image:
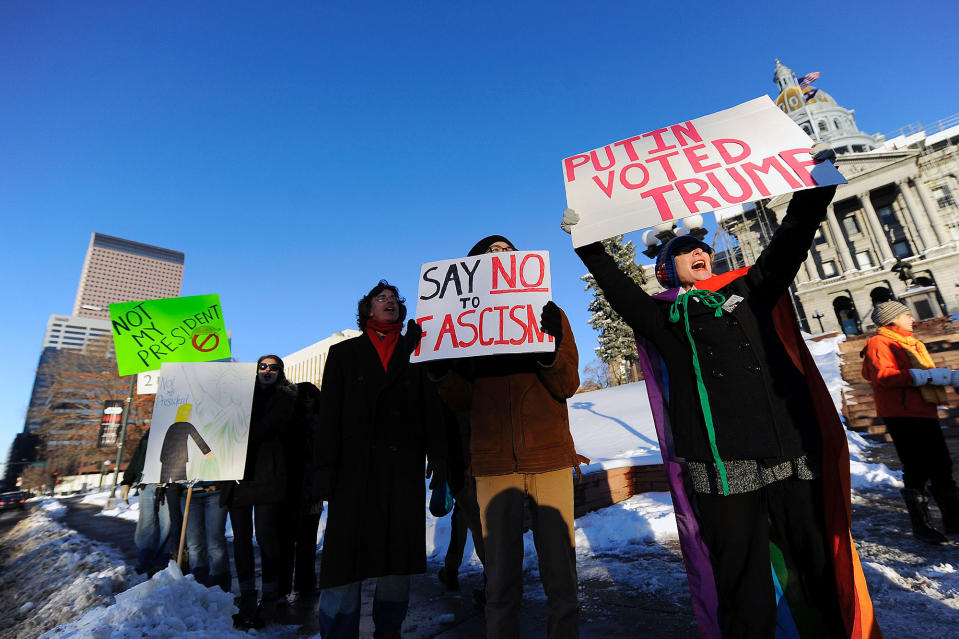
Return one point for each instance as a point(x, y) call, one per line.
point(626, 297)
point(777, 265)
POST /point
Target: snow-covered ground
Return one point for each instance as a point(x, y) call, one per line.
point(67, 586)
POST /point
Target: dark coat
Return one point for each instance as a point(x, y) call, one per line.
point(759, 404)
point(134, 470)
point(264, 475)
point(376, 429)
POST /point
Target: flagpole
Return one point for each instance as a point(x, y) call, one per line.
point(802, 96)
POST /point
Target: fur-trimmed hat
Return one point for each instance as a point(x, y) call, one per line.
point(480, 247)
point(887, 312)
point(666, 260)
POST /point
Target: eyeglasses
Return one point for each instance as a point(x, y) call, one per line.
point(273, 367)
point(499, 247)
point(386, 298)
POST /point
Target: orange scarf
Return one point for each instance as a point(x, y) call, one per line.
point(920, 358)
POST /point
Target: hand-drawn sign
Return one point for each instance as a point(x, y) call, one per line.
point(205, 339)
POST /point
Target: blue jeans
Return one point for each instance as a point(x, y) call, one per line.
point(152, 532)
point(340, 608)
point(206, 541)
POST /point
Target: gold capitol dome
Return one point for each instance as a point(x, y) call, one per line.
point(790, 98)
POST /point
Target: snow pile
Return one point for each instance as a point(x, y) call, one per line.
point(51, 574)
point(52, 507)
point(614, 427)
point(168, 605)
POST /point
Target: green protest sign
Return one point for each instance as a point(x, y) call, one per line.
point(176, 329)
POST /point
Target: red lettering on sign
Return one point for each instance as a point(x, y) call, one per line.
point(499, 270)
point(459, 320)
point(745, 192)
point(627, 144)
point(572, 164)
point(685, 133)
point(481, 340)
point(522, 271)
point(799, 166)
point(690, 199)
point(606, 188)
point(519, 320)
point(609, 156)
point(534, 326)
point(657, 135)
point(659, 196)
point(768, 165)
point(501, 309)
point(446, 329)
point(722, 144)
point(633, 185)
point(696, 160)
point(664, 163)
point(421, 321)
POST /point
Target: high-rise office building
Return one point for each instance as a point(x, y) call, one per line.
point(117, 270)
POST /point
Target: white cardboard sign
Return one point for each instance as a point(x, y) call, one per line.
point(746, 153)
point(483, 305)
point(201, 422)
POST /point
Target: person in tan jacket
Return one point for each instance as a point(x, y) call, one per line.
point(522, 458)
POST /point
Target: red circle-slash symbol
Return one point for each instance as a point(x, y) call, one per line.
point(203, 346)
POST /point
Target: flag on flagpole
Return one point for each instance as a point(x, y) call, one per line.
point(808, 79)
point(810, 94)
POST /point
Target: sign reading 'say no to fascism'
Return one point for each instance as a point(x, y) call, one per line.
point(176, 329)
point(483, 305)
point(749, 152)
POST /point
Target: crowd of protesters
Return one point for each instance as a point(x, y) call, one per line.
point(760, 489)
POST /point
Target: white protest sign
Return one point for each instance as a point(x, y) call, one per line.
point(201, 422)
point(749, 152)
point(483, 305)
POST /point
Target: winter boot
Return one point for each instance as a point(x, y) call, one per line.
point(246, 617)
point(266, 611)
point(948, 502)
point(449, 579)
point(918, 505)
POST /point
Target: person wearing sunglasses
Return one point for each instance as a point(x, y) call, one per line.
point(380, 418)
point(752, 444)
point(261, 492)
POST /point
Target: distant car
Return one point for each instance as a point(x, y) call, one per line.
point(9, 501)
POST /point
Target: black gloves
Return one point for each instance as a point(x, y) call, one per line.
point(413, 335)
point(552, 322)
point(438, 471)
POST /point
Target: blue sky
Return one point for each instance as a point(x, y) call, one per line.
point(297, 152)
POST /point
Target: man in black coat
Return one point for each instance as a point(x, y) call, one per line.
point(380, 418)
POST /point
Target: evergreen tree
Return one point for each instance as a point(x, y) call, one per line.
point(617, 345)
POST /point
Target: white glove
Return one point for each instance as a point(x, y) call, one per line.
point(941, 377)
point(920, 377)
point(955, 379)
point(125, 492)
point(570, 217)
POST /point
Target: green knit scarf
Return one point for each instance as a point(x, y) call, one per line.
point(679, 308)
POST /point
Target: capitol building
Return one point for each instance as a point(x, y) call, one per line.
point(892, 232)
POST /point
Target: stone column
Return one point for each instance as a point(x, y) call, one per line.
point(847, 264)
point(931, 212)
point(875, 225)
point(921, 222)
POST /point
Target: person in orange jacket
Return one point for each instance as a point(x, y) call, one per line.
point(907, 388)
